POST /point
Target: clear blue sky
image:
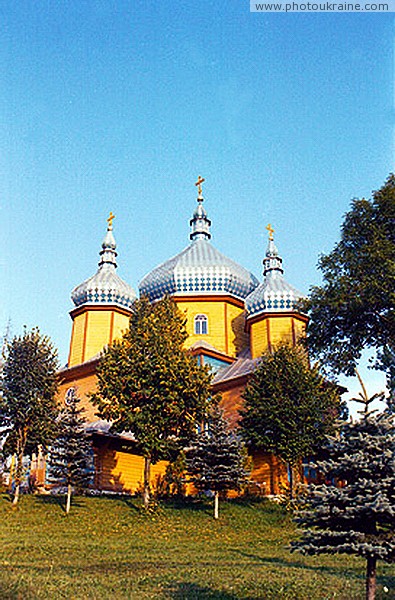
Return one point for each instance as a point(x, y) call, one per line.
point(110, 105)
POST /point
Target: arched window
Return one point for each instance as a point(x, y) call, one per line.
point(201, 325)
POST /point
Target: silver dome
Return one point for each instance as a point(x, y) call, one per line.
point(274, 294)
point(198, 269)
point(105, 287)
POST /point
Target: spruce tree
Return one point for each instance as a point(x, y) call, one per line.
point(215, 461)
point(353, 512)
point(28, 407)
point(70, 459)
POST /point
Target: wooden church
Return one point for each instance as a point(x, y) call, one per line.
point(232, 318)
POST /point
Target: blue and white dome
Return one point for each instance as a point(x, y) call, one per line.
point(198, 269)
point(274, 294)
point(105, 287)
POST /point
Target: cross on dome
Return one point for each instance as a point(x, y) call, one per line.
point(110, 220)
point(199, 185)
point(271, 231)
point(105, 287)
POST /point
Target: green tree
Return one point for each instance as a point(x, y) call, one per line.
point(353, 512)
point(216, 459)
point(288, 407)
point(27, 403)
point(354, 309)
point(70, 456)
point(150, 385)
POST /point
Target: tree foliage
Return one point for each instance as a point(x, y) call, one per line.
point(70, 458)
point(288, 407)
point(27, 403)
point(353, 512)
point(354, 309)
point(216, 460)
point(150, 385)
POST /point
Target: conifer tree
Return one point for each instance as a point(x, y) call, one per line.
point(215, 461)
point(353, 512)
point(70, 459)
point(150, 385)
point(28, 407)
point(288, 407)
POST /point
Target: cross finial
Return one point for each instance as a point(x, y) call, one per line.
point(271, 231)
point(110, 220)
point(199, 184)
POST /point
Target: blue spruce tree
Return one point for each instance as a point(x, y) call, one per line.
point(353, 512)
point(70, 459)
point(215, 461)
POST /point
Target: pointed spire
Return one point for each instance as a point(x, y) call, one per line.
point(200, 223)
point(107, 253)
point(272, 263)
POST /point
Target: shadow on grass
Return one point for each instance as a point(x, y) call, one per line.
point(7, 497)
point(294, 564)
point(185, 590)
point(15, 590)
point(131, 502)
point(194, 504)
point(59, 500)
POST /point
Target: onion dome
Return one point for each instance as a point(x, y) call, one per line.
point(105, 287)
point(274, 294)
point(199, 268)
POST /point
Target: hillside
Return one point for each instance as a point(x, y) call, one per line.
point(107, 548)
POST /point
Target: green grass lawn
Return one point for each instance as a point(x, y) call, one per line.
point(107, 548)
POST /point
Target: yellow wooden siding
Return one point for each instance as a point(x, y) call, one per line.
point(92, 331)
point(280, 330)
point(121, 324)
point(300, 329)
point(221, 317)
point(97, 332)
point(269, 473)
point(77, 340)
point(237, 336)
point(124, 472)
point(258, 338)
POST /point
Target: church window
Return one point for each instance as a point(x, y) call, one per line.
point(201, 325)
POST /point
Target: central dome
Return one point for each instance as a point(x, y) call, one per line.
point(198, 269)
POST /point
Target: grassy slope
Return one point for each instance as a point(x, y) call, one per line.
point(106, 548)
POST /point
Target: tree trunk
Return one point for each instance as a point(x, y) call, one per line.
point(364, 391)
point(216, 504)
point(68, 501)
point(147, 477)
point(371, 578)
point(291, 481)
point(16, 494)
point(18, 471)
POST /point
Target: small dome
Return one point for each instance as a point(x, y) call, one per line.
point(274, 294)
point(105, 287)
point(198, 269)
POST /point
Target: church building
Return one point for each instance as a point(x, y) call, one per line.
point(231, 319)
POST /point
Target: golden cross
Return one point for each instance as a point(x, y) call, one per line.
point(110, 220)
point(271, 231)
point(199, 184)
